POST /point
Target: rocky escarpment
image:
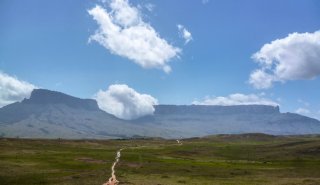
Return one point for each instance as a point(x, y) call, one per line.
point(51, 114)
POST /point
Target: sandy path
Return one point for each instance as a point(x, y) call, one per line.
point(113, 179)
point(178, 141)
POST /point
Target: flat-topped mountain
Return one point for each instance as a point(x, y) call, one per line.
point(51, 114)
point(42, 100)
point(200, 120)
point(43, 96)
point(215, 109)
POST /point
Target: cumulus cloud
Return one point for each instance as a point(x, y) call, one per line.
point(13, 89)
point(184, 33)
point(236, 99)
point(123, 32)
point(295, 57)
point(124, 102)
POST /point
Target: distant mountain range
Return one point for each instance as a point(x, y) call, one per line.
point(50, 114)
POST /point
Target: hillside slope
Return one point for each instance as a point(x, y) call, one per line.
point(200, 120)
point(50, 114)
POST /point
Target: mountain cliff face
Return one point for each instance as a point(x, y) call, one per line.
point(46, 97)
point(40, 101)
point(214, 110)
point(50, 114)
point(200, 120)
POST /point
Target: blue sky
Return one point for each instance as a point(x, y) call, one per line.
point(45, 43)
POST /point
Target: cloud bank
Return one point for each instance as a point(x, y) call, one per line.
point(13, 89)
point(236, 99)
point(184, 33)
point(124, 102)
point(295, 57)
point(123, 32)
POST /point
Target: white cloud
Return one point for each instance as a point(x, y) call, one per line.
point(124, 102)
point(184, 33)
point(13, 89)
point(236, 99)
point(303, 111)
point(260, 79)
point(295, 57)
point(123, 32)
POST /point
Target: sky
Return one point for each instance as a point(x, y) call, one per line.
point(130, 54)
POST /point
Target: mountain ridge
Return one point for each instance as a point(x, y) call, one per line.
point(214, 109)
point(44, 96)
point(52, 114)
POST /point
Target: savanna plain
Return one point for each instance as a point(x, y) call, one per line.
point(247, 159)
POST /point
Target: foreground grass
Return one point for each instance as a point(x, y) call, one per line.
point(236, 159)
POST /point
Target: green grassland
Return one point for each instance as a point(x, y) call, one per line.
point(225, 159)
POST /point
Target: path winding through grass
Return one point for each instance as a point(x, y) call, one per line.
point(113, 179)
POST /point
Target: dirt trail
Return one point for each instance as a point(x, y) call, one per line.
point(178, 141)
point(113, 179)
